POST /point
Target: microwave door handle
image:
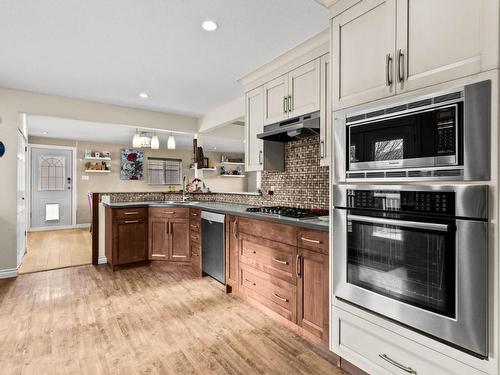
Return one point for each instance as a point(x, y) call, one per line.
point(400, 223)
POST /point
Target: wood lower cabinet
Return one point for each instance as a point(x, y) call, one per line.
point(158, 239)
point(312, 302)
point(126, 236)
point(232, 253)
point(195, 240)
point(179, 241)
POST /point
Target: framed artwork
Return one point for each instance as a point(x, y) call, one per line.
point(131, 164)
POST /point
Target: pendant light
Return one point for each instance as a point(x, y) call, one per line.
point(136, 140)
point(155, 142)
point(171, 142)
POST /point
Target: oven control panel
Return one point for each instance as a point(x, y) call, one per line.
point(428, 202)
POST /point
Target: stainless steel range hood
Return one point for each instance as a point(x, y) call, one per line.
point(293, 129)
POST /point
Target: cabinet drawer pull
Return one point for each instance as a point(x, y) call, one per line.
point(280, 298)
point(194, 214)
point(194, 226)
point(401, 62)
point(284, 104)
point(250, 281)
point(290, 103)
point(388, 359)
point(280, 261)
point(131, 213)
point(311, 241)
point(298, 266)
point(388, 70)
point(169, 212)
point(131, 221)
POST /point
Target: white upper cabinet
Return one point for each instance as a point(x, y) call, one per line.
point(304, 89)
point(386, 47)
point(293, 94)
point(254, 103)
point(275, 100)
point(325, 120)
point(363, 45)
point(441, 40)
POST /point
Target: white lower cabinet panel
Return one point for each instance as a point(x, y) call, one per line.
point(377, 350)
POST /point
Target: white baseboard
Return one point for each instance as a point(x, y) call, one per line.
point(8, 273)
point(102, 260)
point(82, 226)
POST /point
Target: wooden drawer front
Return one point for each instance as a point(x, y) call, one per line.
point(195, 237)
point(265, 229)
point(195, 214)
point(274, 258)
point(168, 212)
point(274, 293)
point(195, 226)
point(196, 259)
point(313, 240)
point(130, 213)
point(379, 351)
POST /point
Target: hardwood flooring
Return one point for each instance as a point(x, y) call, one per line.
point(156, 319)
point(57, 249)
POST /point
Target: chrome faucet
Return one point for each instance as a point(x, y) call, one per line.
point(184, 186)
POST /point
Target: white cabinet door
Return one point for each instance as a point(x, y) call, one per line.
point(254, 122)
point(304, 89)
point(275, 100)
point(325, 120)
point(442, 40)
point(363, 45)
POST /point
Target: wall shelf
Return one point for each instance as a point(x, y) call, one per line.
point(97, 171)
point(231, 163)
point(98, 159)
point(206, 169)
point(232, 175)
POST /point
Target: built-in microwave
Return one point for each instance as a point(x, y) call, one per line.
point(445, 135)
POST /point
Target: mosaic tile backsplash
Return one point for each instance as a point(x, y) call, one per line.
point(303, 183)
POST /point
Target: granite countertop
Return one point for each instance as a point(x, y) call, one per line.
point(229, 209)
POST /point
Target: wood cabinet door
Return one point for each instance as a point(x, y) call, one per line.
point(131, 241)
point(363, 47)
point(158, 239)
point(275, 100)
point(442, 40)
point(254, 113)
point(313, 293)
point(304, 89)
point(232, 252)
point(325, 120)
point(179, 241)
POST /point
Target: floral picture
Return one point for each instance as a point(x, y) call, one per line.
point(131, 164)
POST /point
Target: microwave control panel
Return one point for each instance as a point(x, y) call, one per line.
point(428, 202)
point(446, 129)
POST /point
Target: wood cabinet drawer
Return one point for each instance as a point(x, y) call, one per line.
point(169, 212)
point(195, 237)
point(130, 213)
point(313, 240)
point(265, 229)
point(274, 258)
point(194, 226)
point(195, 214)
point(380, 351)
point(272, 292)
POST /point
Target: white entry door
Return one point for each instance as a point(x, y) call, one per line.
point(51, 187)
point(21, 197)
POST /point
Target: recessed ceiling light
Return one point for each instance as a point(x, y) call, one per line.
point(45, 133)
point(144, 95)
point(215, 148)
point(209, 25)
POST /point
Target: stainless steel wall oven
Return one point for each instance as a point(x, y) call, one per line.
point(416, 255)
point(445, 135)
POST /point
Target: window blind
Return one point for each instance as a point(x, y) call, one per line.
point(164, 171)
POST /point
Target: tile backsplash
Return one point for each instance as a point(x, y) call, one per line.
point(303, 183)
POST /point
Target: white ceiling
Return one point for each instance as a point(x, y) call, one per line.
point(110, 51)
point(54, 127)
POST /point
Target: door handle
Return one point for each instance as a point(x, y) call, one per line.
point(169, 212)
point(322, 149)
point(131, 213)
point(250, 282)
point(290, 103)
point(401, 61)
point(280, 298)
point(168, 228)
point(131, 221)
point(235, 230)
point(309, 240)
point(386, 358)
point(388, 69)
point(260, 157)
point(279, 261)
point(285, 105)
point(171, 228)
point(400, 223)
point(298, 266)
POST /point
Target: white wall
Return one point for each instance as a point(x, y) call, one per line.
point(13, 103)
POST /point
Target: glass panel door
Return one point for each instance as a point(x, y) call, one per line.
point(413, 262)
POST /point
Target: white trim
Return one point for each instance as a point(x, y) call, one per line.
point(44, 229)
point(83, 226)
point(74, 186)
point(102, 260)
point(8, 273)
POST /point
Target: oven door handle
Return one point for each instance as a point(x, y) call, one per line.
point(400, 223)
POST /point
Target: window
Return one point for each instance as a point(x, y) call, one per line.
point(164, 171)
point(51, 173)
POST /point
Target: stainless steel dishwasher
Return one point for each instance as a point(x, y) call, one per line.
point(212, 245)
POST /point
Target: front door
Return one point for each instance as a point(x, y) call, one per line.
point(51, 187)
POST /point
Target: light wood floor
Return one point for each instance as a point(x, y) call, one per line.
point(156, 319)
point(57, 249)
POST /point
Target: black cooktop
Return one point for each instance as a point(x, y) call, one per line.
point(297, 213)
